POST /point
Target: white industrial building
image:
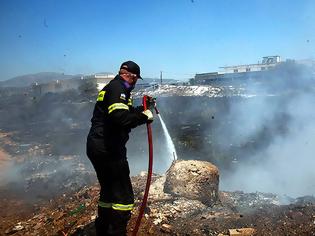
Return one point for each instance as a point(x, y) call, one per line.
point(267, 63)
point(238, 72)
point(101, 79)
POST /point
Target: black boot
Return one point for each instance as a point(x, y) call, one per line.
point(118, 223)
point(102, 221)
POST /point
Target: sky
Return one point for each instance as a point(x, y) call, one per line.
point(178, 37)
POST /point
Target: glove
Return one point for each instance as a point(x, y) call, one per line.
point(149, 114)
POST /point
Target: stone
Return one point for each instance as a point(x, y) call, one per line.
point(196, 180)
point(166, 228)
point(242, 232)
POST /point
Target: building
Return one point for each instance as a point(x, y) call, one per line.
point(267, 63)
point(74, 83)
point(238, 72)
point(101, 79)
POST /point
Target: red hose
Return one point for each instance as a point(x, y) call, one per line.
point(147, 186)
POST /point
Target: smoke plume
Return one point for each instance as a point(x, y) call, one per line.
point(284, 117)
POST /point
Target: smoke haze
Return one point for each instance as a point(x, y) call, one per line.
point(261, 141)
point(285, 162)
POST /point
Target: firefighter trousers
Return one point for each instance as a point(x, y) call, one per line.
point(116, 195)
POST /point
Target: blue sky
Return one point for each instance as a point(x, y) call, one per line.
point(178, 37)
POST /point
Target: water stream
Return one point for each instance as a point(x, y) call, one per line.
point(172, 155)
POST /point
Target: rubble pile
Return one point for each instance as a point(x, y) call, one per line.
point(200, 90)
point(198, 180)
point(234, 212)
point(167, 214)
point(60, 216)
point(251, 201)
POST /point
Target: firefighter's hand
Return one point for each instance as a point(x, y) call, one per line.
point(149, 114)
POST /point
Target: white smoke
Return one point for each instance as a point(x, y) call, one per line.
point(285, 165)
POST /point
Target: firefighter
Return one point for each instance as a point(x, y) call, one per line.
point(113, 118)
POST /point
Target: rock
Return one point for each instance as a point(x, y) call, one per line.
point(166, 228)
point(197, 180)
point(242, 232)
point(156, 188)
point(151, 230)
point(15, 229)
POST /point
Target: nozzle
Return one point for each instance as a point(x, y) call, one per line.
point(154, 105)
point(156, 110)
point(149, 102)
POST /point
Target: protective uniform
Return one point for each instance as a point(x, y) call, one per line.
point(113, 118)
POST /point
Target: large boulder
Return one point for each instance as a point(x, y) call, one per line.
point(197, 180)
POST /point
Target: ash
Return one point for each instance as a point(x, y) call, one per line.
point(74, 214)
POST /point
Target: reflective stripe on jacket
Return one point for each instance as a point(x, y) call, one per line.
point(114, 117)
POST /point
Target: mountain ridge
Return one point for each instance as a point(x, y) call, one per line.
point(29, 79)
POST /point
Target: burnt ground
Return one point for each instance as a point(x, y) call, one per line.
point(74, 214)
point(46, 141)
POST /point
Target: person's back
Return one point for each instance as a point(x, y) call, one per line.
point(111, 125)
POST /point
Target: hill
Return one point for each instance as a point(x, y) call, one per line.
point(27, 80)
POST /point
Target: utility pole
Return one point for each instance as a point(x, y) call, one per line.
point(161, 76)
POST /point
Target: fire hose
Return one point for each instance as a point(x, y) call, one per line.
point(146, 102)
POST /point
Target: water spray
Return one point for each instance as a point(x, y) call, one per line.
point(149, 103)
point(169, 142)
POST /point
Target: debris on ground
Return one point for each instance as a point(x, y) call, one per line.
point(166, 214)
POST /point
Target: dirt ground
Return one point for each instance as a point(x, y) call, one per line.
point(74, 214)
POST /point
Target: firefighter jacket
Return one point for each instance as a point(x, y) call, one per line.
point(113, 118)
